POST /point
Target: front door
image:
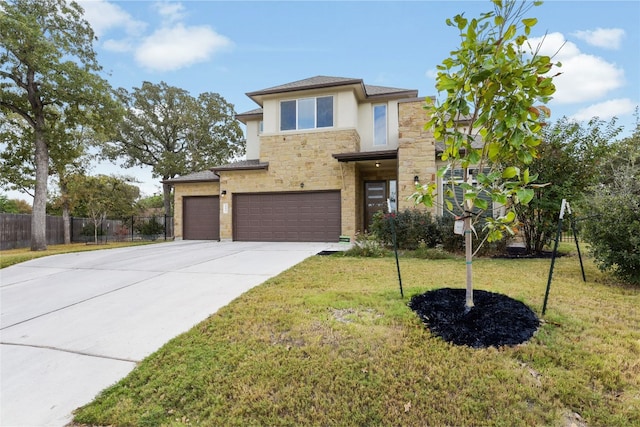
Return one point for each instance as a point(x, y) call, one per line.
point(375, 197)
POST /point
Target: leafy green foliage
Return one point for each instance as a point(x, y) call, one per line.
point(150, 227)
point(497, 85)
point(425, 236)
point(366, 245)
point(613, 224)
point(494, 82)
point(49, 87)
point(15, 206)
point(100, 197)
point(412, 226)
point(174, 133)
point(568, 161)
point(108, 196)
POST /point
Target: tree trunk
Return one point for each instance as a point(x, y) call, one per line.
point(469, 258)
point(39, 212)
point(66, 212)
point(166, 192)
point(66, 223)
point(468, 242)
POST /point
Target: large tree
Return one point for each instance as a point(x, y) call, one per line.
point(495, 81)
point(174, 133)
point(569, 159)
point(49, 84)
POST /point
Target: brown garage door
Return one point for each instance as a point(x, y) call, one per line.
point(287, 217)
point(201, 218)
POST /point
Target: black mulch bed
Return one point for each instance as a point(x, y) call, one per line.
point(495, 320)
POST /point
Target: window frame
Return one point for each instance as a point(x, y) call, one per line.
point(306, 119)
point(382, 132)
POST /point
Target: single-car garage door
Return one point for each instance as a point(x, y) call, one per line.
point(201, 218)
point(287, 217)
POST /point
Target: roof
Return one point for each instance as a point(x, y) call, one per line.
point(202, 176)
point(242, 165)
point(477, 143)
point(320, 82)
point(251, 114)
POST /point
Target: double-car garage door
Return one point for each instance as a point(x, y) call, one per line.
point(287, 217)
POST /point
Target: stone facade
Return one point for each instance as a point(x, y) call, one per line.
point(297, 162)
point(416, 151)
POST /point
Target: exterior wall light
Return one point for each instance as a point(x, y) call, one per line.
point(377, 164)
point(416, 180)
point(302, 185)
point(223, 193)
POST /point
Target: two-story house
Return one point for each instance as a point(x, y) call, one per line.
point(323, 155)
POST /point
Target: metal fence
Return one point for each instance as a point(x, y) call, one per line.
point(15, 230)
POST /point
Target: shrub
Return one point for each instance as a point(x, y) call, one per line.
point(150, 228)
point(613, 229)
point(416, 229)
point(88, 230)
point(366, 245)
point(412, 227)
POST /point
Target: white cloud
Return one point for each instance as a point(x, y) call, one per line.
point(169, 49)
point(584, 77)
point(606, 110)
point(431, 73)
point(104, 16)
point(113, 45)
point(170, 12)
point(607, 38)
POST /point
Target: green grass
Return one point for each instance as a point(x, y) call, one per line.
point(15, 256)
point(330, 342)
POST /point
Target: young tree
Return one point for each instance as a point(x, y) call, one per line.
point(569, 156)
point(174, 133)
point(48, 79)
point(495, 81)
point(101, 196)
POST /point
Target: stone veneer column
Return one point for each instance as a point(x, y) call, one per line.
point(416, 151)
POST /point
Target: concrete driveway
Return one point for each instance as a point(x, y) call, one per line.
point(72, 325)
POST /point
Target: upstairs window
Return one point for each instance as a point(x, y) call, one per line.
point(306, 113)
point(380, 124)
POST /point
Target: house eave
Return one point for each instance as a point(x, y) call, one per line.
point(258, 166)
point(365, 156)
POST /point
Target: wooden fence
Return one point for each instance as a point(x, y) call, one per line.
point(15, 230)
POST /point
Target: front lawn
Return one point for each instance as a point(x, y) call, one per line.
point(330, 342)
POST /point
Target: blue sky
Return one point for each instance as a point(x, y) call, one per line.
point(236, 47)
